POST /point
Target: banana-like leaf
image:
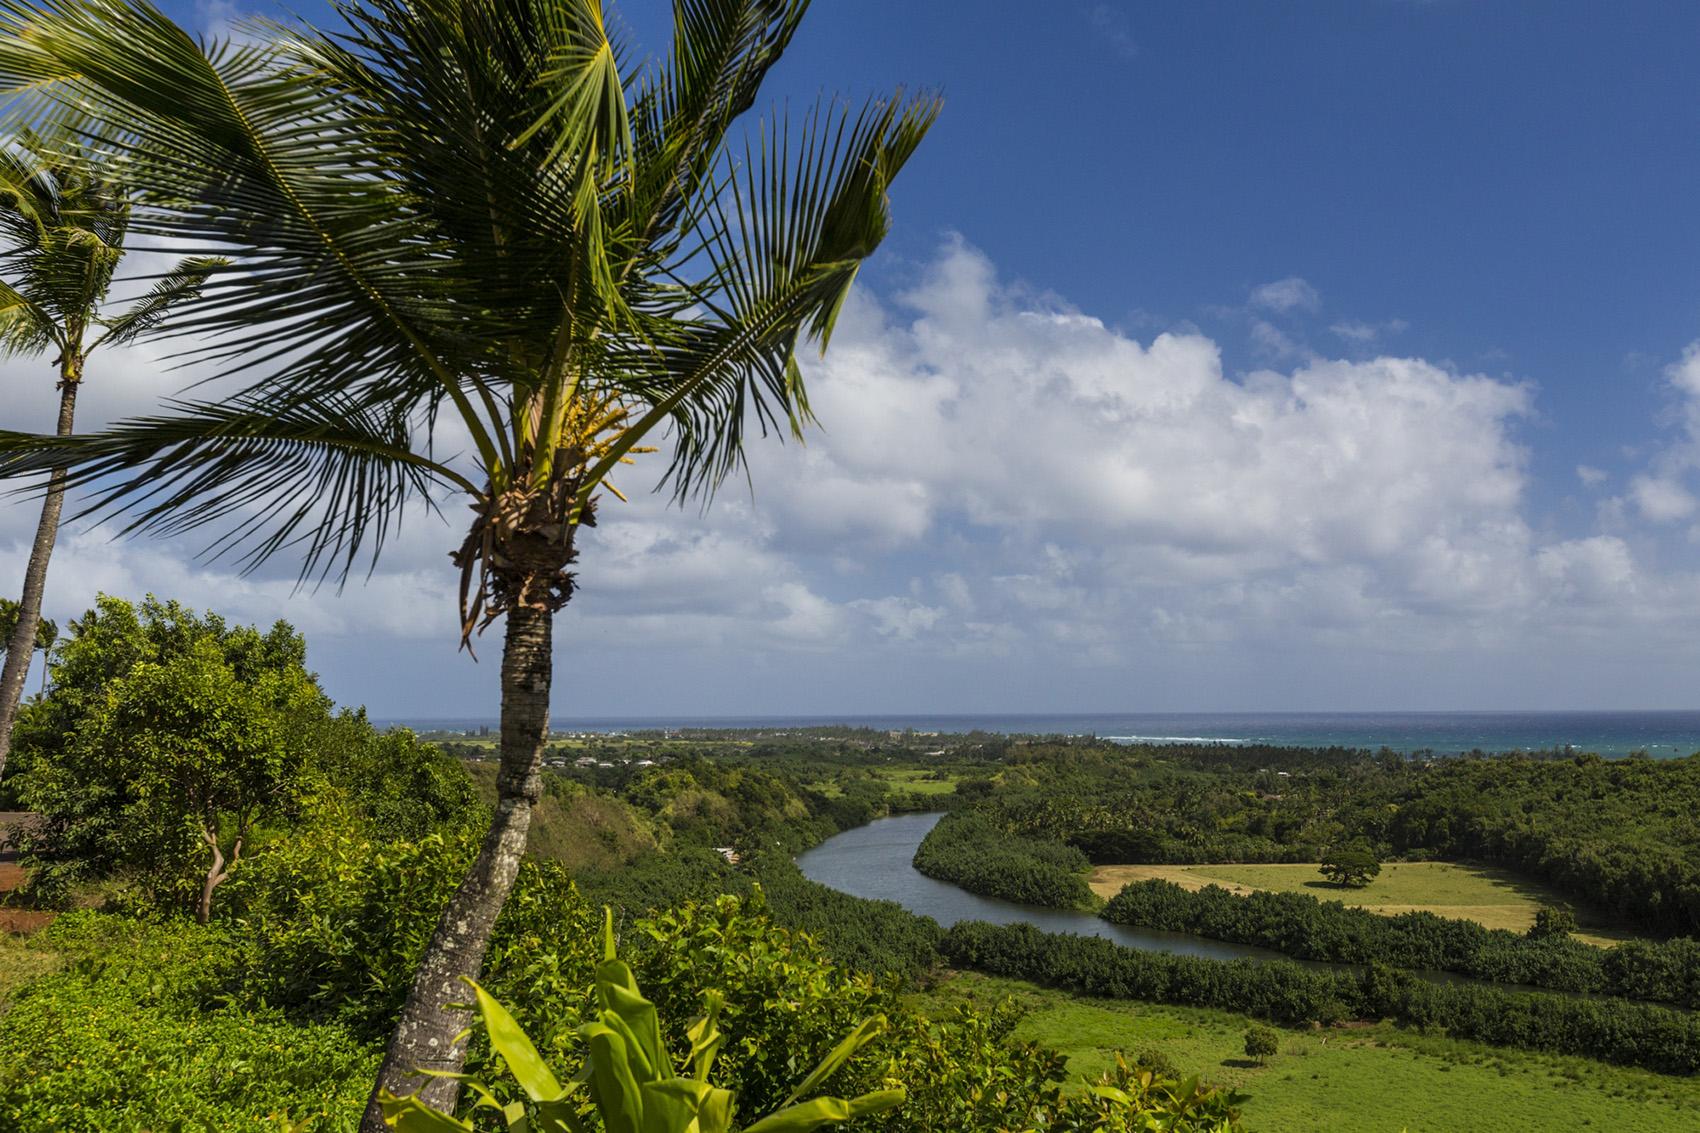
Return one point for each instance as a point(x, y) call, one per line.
point(672, 1104)
point(618, 1094)
point(866, 1032)
point(626, 1010)
point(509, 1040)
point(705, 1035)
point(816, 1112)
point(410, 1115)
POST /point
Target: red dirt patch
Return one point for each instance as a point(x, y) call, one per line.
point(25, 921)
point(12, 877)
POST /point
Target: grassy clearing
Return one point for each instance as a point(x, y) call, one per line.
point(899, 780)
point(21, 963)
point(1493, 898)
point(918, 781)
point(1377, 1079)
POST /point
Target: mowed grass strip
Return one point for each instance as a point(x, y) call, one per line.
point(1379, 1079)
point(1493, 898)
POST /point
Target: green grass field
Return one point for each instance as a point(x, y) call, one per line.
point(900, 780)
point(1378, 1079)
point(1494, 898)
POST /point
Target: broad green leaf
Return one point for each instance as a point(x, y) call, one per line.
point(617, 1094)
point(510, 1041)
point(877, 1102)
point(804, 1116)
point(705, 1035)
point(410, 1115)
point(670, 1105)
point(617, 990)
point(840, 1054)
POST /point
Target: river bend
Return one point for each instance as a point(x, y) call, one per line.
point(876, 861)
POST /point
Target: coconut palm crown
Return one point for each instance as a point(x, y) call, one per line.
point(466, 224)
point(63, 223)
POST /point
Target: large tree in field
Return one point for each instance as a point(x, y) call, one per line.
point(62, 226)
point(467, 223)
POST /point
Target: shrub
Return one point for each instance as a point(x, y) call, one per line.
point(1552, 922)
point(1262, 1044)
point(330, 926)
point(1612, 1030)
point(122, 1039)
point(629, 1079)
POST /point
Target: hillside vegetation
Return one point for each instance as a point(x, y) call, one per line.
point(255, 994)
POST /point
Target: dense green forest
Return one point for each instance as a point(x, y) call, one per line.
point(974, 852)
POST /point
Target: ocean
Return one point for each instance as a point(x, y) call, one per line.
point(1660, 734)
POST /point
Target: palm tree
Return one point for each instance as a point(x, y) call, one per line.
point(46, 636)
point(465, 221)
point(62, 229)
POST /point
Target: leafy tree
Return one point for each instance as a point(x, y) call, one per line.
point(63, 223)
point(342, 773)
point(1351, 867)
point(112, 638)
point(168, 776)
point(471, 214)
point(1553, 922)
point(1262, 1044)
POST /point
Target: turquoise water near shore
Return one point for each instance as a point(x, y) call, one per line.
point(1659, 734)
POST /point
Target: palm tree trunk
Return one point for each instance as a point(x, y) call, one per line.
point(424, 1037)
point(21, 648)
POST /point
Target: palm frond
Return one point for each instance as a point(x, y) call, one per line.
point(242, 153)
point(25, 328)
point(182, 282)
point(579, 77)
point(457, 207)
point(783, 241)
point(325, 477)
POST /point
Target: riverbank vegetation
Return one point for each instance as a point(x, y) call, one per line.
point(1306, 927)
point(310, 946)
point(972, 850)
point(1613, 1030)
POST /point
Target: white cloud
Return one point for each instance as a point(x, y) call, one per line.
point(900, 618)
point(1289, 294)
point(1660, 494)
point(1365, 334)
point(1590, 476)
point(1032, 501)
point(1272, 343)
point(1661, 499)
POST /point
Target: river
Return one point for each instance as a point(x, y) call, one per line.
point(876, 861)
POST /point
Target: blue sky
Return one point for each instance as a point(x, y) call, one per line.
point(1224, 356)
